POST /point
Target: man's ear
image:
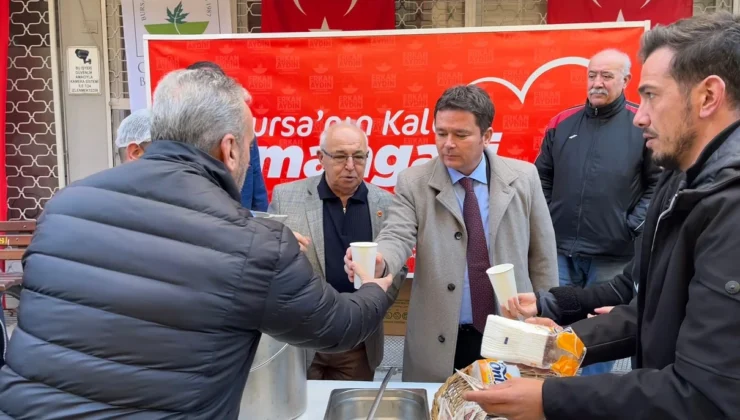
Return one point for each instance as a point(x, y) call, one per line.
point(134, 151)
point(487, 135)
point(712, 95)
point(228, 152)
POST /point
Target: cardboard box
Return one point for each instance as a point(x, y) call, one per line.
point(395, 319)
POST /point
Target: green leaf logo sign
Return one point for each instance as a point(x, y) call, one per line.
point(177, 17)
point(177, 25)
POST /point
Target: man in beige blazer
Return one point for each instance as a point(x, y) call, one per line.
point(331, 210)
point(465, 211)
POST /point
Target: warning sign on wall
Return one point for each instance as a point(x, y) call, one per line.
point(83, 70)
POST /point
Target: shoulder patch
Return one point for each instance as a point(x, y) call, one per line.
point(563, 115)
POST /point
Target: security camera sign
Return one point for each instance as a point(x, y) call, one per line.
point(83, 70)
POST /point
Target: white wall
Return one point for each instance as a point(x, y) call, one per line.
point(86, 118)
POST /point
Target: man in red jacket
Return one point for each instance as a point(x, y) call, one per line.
point(683, 325)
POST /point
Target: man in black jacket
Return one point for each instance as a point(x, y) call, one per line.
point(683, 325)
point(147, 286)
point(598, 179)
point(597, 176)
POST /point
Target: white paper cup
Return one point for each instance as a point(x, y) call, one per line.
point(503, 281)
point(363, 253)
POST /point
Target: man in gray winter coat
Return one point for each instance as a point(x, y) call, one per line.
point(148, 286)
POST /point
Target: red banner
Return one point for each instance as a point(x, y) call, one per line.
point(662, 12)
point(4, 42)
point(327, 15)
point(390, 81)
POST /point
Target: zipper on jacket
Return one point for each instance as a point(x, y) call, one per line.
point(621, 298)
point(583, 190)
point(709, 191)
point(662, 215)
point(4, 333)
point(639, 226)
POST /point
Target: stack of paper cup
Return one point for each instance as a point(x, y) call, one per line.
point(503, 281)
point(363, 253)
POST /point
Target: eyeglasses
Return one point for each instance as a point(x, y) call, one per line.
point(357, 158)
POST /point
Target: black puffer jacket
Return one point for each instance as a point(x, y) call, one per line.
point(598, 178)
point(147, 288)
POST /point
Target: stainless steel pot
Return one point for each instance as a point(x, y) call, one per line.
point(276, 387)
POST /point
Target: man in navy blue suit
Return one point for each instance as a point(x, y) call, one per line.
point(254, 192)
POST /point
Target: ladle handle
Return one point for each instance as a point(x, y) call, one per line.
point(378, 397)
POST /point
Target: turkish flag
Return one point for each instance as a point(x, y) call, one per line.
point(662, 12)
point(327, 15)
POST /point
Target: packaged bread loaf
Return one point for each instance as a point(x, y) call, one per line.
point(492, 371)
point(558, 350)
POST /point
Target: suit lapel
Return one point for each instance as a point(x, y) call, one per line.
point(500, 195)
point(315, 221)
point(440, 181)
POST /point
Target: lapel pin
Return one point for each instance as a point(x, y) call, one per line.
point(380, 213)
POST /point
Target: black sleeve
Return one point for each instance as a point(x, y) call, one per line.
point(650, 174)
point(544, 164)
point(304, 311)
point(611, 336)
point(566, 305)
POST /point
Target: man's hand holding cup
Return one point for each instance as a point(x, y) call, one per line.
point(348, 267)
point(356, 268)
point(523, 306)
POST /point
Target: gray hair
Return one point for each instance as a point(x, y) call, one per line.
point(134, 129)
point(345, 123)
point(626, 62)
point(703, 46)
point(470, 98)
point(199, 108)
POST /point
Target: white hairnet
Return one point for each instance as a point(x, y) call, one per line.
point(136, 128)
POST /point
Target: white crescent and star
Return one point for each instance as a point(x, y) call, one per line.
point(298, 5)
point(620, 16)
point(596, 2)
point(354, 3)
point(351, 6)
point(324, 27)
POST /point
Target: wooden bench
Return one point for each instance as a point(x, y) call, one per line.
point(15, 238)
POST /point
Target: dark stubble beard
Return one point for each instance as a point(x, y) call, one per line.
point(683, 143)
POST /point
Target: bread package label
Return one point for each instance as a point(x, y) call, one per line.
point(492, 371)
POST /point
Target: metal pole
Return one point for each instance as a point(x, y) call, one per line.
point(106, 82)
point(57, 91)
point(471, 13)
